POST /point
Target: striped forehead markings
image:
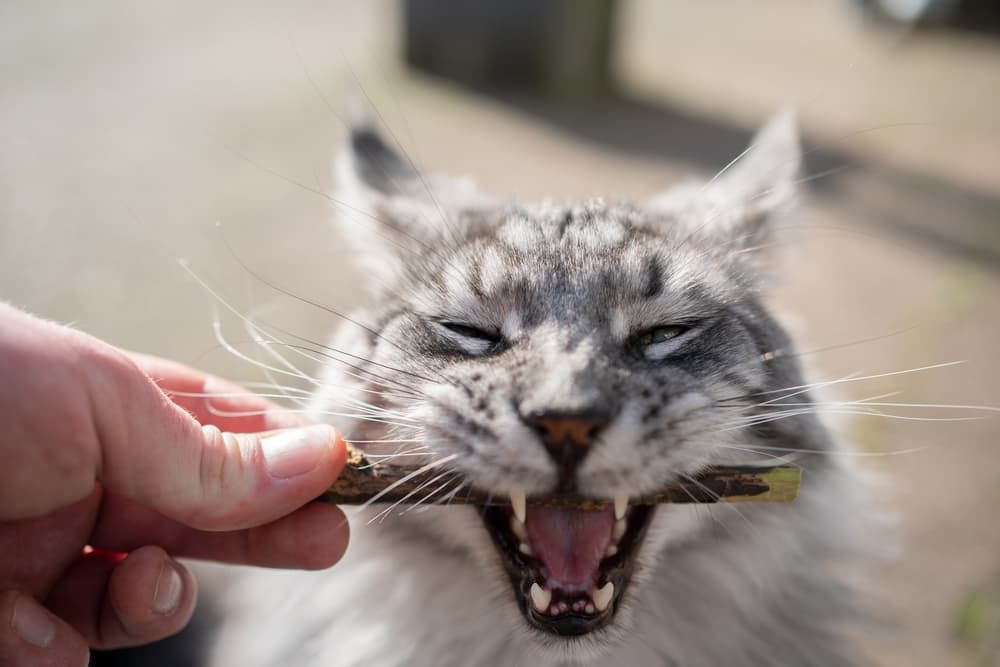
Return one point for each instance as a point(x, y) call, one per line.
point(562, 227)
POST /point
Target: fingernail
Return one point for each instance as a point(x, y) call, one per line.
point(32, 623)
point(169, 586)
point(296, 452)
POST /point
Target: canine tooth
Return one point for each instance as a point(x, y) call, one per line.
point(589, 608)
point(518, 502)
point(621, 525)
point(524, 548)
point(610, 551)
point(602, 596)
point(517, 527)
point(621, 504)
point(540, 597)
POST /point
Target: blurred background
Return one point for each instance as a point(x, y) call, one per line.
point(135, 134)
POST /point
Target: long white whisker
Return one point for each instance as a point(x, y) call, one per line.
point(380, 517)
point(423, 501)
point(817, 452)
point(853, 377)
point(407, 478)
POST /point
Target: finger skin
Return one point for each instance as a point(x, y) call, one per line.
point(312, 537)
point(64, 648)
point(115, 601)
point(33, 552)
point(42, 403)
point(213, 400)
point(91, 414)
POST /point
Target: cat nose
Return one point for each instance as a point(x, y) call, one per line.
point(568, 438)
point(575, 430)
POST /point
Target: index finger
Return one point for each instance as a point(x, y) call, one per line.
point(213, 400)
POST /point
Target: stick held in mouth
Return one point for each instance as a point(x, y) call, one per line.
point(363, 480)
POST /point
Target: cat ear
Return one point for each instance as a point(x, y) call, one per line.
point(388, 210)
point(739, 206)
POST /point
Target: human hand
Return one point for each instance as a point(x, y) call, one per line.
point(95, 454)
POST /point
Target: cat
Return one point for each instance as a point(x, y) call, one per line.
point(600, 348)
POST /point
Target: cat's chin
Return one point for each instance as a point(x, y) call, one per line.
point(569, 569)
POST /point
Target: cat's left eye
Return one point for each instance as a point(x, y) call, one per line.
point(662, 334)
point(658, 342)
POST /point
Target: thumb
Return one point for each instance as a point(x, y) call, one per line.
point(155, 453)
point(246, 479)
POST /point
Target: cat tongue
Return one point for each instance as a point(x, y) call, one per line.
point(570, 543)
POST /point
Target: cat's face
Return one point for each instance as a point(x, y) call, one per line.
point(532, 350)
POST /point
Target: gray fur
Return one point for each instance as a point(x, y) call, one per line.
point(567, 288)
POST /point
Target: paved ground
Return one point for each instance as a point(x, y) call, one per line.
point(127, 131)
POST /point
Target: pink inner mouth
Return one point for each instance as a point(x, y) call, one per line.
point(570, 544)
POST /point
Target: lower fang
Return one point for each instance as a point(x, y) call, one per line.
point(524, 548)
point(540, 597)
point(589, 608)
point(610, 551)
point(602, 596)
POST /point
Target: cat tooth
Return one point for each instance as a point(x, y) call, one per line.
point(517, 527)
point(602, 596)
point(540, 597)
point(619, 530)
point(610, 551)
point(589, 608)
point(621, 504)
point(518, 502)
point(524, 548)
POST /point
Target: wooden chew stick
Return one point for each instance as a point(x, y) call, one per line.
point(363, 480)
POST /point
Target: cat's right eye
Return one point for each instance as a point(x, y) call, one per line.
point(472, 340)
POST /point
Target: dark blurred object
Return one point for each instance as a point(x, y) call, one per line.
point(560, 47)
point(188, 648)
point(976, 15)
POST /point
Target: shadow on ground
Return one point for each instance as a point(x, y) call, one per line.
point(913, 206)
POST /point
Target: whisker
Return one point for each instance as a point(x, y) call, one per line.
point(381, 516)
point(328, 348)
point(824, 452)
point(408, 477)
point(784, 354)
point(325, 308)
point(329, 413)
point(716, 496)
point(423, 501)
point(853, 377)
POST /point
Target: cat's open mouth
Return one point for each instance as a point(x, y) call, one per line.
point(569, 567)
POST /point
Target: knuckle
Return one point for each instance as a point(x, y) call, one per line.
point(225, 467)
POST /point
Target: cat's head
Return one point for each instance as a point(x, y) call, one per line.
point(603, 349)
